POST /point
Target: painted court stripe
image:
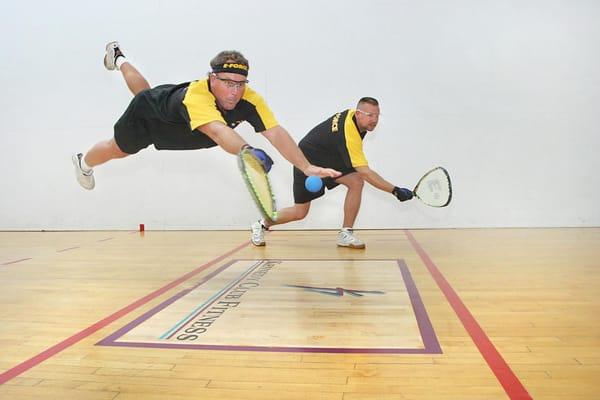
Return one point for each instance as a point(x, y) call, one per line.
point(509, 381)
point(207, 303)
point(57, 348)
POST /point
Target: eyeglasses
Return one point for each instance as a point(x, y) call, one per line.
point(368, 114)
point(232, 83)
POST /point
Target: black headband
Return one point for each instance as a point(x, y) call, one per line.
point(233, 68)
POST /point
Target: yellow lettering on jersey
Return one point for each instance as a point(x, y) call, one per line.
point(335, 122)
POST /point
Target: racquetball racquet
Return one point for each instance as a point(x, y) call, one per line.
point(258, 183)
point(434, 188)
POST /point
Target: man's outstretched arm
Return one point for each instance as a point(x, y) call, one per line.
point(288, 148)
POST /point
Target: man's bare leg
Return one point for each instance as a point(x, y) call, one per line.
point(114, 59)
point(355, 184)
point(102, 152)
point(134, 79)
point(289, 214)
point(346, 237)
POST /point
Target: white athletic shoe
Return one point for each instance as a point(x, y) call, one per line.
point(258, 234)
point(346, 238)
point(112, 53)
point(85, 179)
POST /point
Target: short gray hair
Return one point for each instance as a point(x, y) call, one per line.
point(369, 100)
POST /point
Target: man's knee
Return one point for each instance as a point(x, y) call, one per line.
point(301, 211)
point(115, 149)
point(354, 181)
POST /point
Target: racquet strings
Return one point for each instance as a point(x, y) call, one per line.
point(434, 188)
point(259, 185)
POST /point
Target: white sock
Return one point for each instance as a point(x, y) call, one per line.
point(347, 229)
point(120, 61)
point(84, 166)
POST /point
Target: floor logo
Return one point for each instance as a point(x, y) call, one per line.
point(337, 291)
point(290, 305)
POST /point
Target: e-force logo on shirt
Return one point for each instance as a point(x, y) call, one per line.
point(335, 122)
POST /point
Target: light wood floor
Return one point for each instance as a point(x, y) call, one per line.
point(535, 293)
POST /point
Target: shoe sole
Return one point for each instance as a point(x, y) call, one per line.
point(108, 48)
point(352, 246)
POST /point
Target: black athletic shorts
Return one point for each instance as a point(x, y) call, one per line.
point(157, 116)
point(301, 195)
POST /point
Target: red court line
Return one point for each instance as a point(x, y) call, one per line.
point(507, 378)
point(57, 348)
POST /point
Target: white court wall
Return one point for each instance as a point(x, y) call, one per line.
point(505, 95)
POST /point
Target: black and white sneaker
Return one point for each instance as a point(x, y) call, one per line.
point(112, 53)
point(85, 178)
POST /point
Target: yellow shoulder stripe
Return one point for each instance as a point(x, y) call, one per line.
point(264, 112)
point(354, 142)
point(200, 105)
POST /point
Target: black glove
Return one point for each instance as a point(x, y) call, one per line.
point(402, 194)
point(262, 156)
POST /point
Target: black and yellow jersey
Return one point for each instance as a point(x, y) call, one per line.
point(170, 117)
point(201, 107)
point(336, 143)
